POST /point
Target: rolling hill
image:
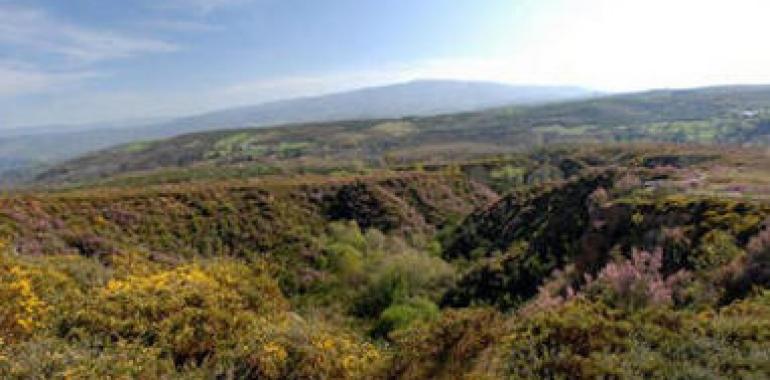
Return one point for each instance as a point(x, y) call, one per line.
point(24, 149)
point(726, 115)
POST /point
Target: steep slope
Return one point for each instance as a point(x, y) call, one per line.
point(730, 115)
point(609, 274)
point(577, 226)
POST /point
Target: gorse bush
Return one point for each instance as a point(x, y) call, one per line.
point(203, 320)
point(31, 290)
point(291, 348)
point(23, 311)
point(185, 311)
point(556, 343)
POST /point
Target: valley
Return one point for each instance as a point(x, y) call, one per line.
point(384, 190)
point(529, 265)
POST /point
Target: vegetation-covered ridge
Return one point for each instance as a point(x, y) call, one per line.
point(737, 115)
point(526, 236)
point(619, 262)
point(233, 217)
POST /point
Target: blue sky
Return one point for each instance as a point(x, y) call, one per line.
point(74, 61)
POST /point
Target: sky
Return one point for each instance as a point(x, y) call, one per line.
point(85, 61)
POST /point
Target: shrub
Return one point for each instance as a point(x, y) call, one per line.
point(33, 295)
point(185, 311)
point(584, 339)
point(291, 348)
point(751, 271)
point(627, 182)
point(447, 348)
point(347, 233)
point(212, 319)
point(23, 311)
point(402, 315)
point(345, 260)
point(91, 245)
point(558, 289)
point(758, 261)
point(384, 291)
point(401, 276)
point(717, 248)
point(554, 343)
point(636, 282)
point(50, 358)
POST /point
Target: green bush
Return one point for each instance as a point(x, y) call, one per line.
point(717, 248)
point(402, 315)
point(398, 277)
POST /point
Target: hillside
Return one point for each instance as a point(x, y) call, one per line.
point(289, 190)
point(726, 115)
point(571, 262)
point(27, 148)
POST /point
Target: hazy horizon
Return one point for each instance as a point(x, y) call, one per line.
point(85, 62)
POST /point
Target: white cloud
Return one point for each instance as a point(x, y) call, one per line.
point(15, 79)
point(612, 45)
point(115, 105)
point(35, 33)
point(52, 56)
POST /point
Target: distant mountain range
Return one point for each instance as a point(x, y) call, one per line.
point(23, 149)
point(417, 98)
